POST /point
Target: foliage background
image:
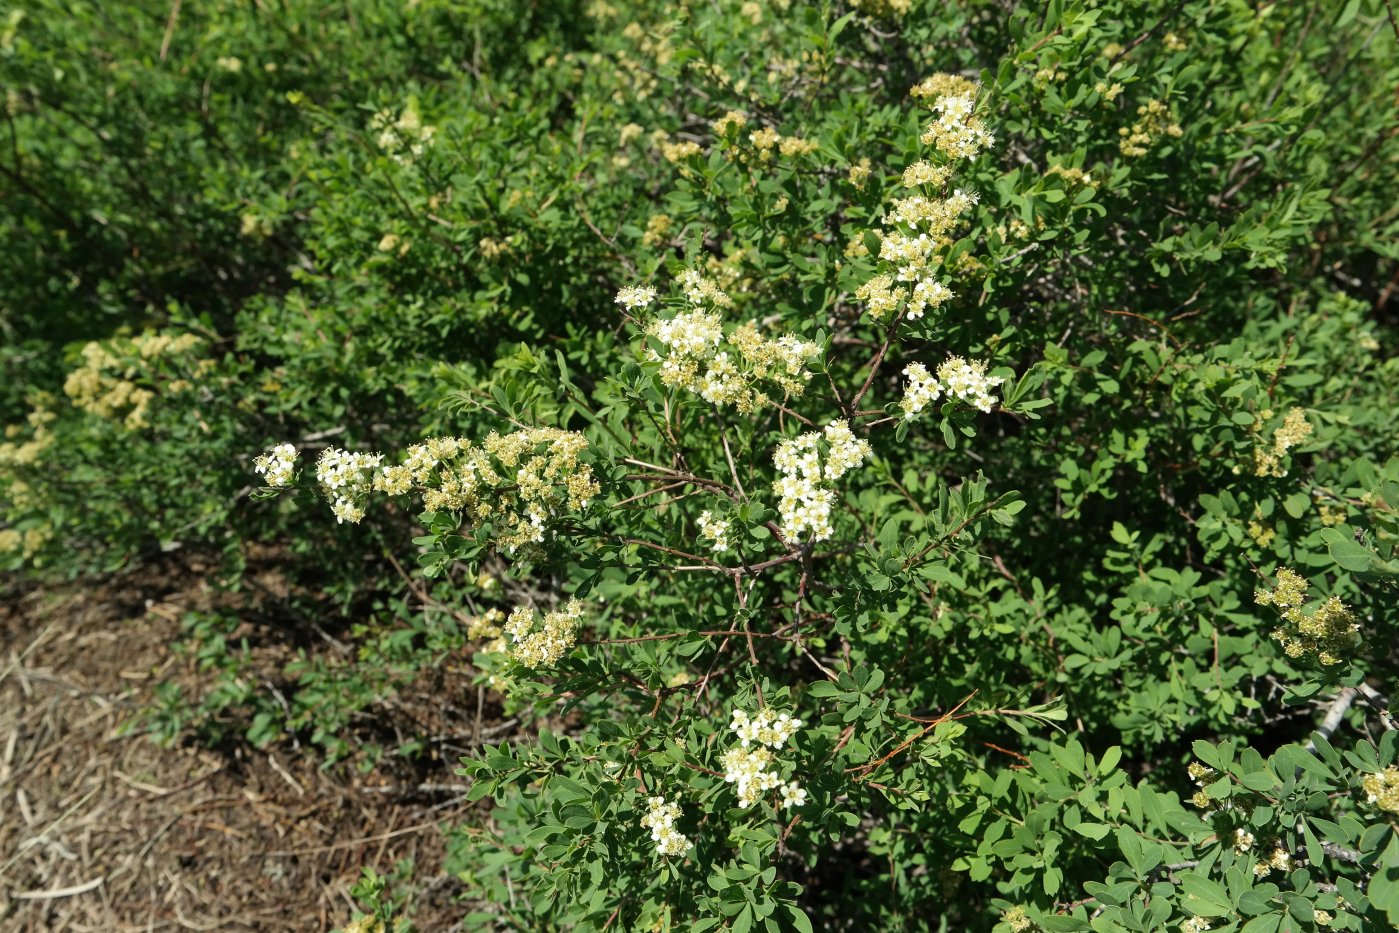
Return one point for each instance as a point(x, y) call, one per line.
point(218, 175)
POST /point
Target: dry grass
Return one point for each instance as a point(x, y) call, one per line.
point(103, 830)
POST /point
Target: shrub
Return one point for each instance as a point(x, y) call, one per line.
point(935, 464)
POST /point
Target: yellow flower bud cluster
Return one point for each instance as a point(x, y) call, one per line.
point(1108, 92)
point(404, 136)
point(21, 451)
point(26, 543)
point(1267, 459)
point(759, 146)
point(691, 357)
point(1382, 789)
point(1280, 860)
point(119, 378)
point(1328, 633)
point(1018, 920)
point(657, 230)
point(1153, 122)
point(883, 9)
point(1074, 176)
point(514, 482)
point(539, 642)
point(679, 151)
point(859, 173)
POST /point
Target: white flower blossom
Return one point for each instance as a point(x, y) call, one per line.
point(660, 820)
point(716, 529)
point(804, 501)
point(636, 297)
point(277, 465)
point(793, 795)
point(921, 392)
point(969, 382)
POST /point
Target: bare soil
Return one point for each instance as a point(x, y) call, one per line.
point(102, 829)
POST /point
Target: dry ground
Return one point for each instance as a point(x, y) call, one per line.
point(101, 829)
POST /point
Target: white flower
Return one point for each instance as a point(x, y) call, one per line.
point(804, 502)
point(1243, 840)
point(793, 795)
point(747, 770)
point(716, 529)
point(690, 333)
point(636, 297)
point(922, 390)
point(748, 766)
point(969, 382)
point(660, 820)
point(276, 464)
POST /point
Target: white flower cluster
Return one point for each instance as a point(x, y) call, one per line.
point(689, 334)
point(715, 529)
point(1194, 925)
point(956, 377)
point(918, 228)
point(405, 137)
point(276, 464)
point(1280, 860)
point(660, 819)
point(748, 766)
point(636, 297)
point(804, 499)
point(542, 642)
point(346, 478)
point(514, 483)
point(968, 381)
point(691, 357)
point(957, 131)
point(765, 728)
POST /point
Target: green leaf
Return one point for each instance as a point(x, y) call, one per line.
point(1204, 897)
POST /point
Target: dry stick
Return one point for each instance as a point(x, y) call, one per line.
point(644, 495)
point(1376, 702)
point(60, 892)
point(865, 770)
point(169, 29)
point(1154, 323)
point(728, 455)
point(874, 363)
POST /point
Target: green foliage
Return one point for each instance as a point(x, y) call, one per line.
point(1035, 685)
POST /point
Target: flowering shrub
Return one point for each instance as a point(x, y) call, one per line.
point(882, 450)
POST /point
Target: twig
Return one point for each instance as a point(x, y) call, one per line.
point(169, 29)
point(83, 888)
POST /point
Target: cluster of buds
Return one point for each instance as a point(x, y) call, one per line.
point(1268, 457)
point(404, 136)
point(1382, 789)
point(1328, 633)
point(540, 642)
point(515, 482)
